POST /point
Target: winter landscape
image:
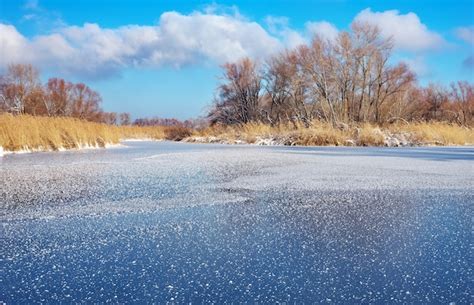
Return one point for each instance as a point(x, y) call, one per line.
point(301, 152)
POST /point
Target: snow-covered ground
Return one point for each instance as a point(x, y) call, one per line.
point(177, 222)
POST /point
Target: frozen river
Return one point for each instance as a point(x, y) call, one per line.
point(157, 222)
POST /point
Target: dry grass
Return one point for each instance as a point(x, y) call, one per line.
point(368, 135)
point(319, 134)
point(176, 133)
point(44, 133)
point(288, 134)
point(436, 133)
point(138, 132)
point(41, 133)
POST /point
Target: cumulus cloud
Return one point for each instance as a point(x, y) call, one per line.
point(176, 40)
point(323, 29)
point(12, 45)
point(466, 34)
point(215, 35)
point(279, 26)
point(407, 30)
point(418, 65)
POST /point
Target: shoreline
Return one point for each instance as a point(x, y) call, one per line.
point(278, 141)
point(26, 134)
point(322, 134)
point(61, 149)
point(261, 141)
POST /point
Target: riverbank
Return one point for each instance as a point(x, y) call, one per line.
point(321, 134)
point(21, 134)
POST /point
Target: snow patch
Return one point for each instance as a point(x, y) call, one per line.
point(266, 142)
point(80, 146)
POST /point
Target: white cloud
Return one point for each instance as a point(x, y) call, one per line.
point(418, 65)
point(217, 37)
point(293, 39)
point(466, 34)
point(407, 30)
point(177, 40)
point(276, 23)
point(211, 36)
point(13, 45)
point(279, 26)
point(323, 29)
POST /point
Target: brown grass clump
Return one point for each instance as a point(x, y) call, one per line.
point(368, 135)
point(176, 133)
point(318, 134)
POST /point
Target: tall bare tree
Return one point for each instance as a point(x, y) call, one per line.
point(58, 97)
point(19, 88)
point(238, 94)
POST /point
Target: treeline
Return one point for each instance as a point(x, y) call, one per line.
point(350, 79)
point(21, 92)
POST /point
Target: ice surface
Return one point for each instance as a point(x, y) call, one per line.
point(174, 222)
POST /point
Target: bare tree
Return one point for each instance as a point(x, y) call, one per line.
point(124, 118)
point(349, 79)
point(58, 97)
point(108, 118)
point(286, 88)
point(436, 96)
point(19, 87)
point(462, 95)
point(239, 94)
point(84, 103)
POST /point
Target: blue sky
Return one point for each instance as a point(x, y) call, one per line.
point(161, 58)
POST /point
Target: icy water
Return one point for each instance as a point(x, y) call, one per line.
point(174, 222)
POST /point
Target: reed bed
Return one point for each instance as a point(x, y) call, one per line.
point(34, 133)
point(320, 134)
